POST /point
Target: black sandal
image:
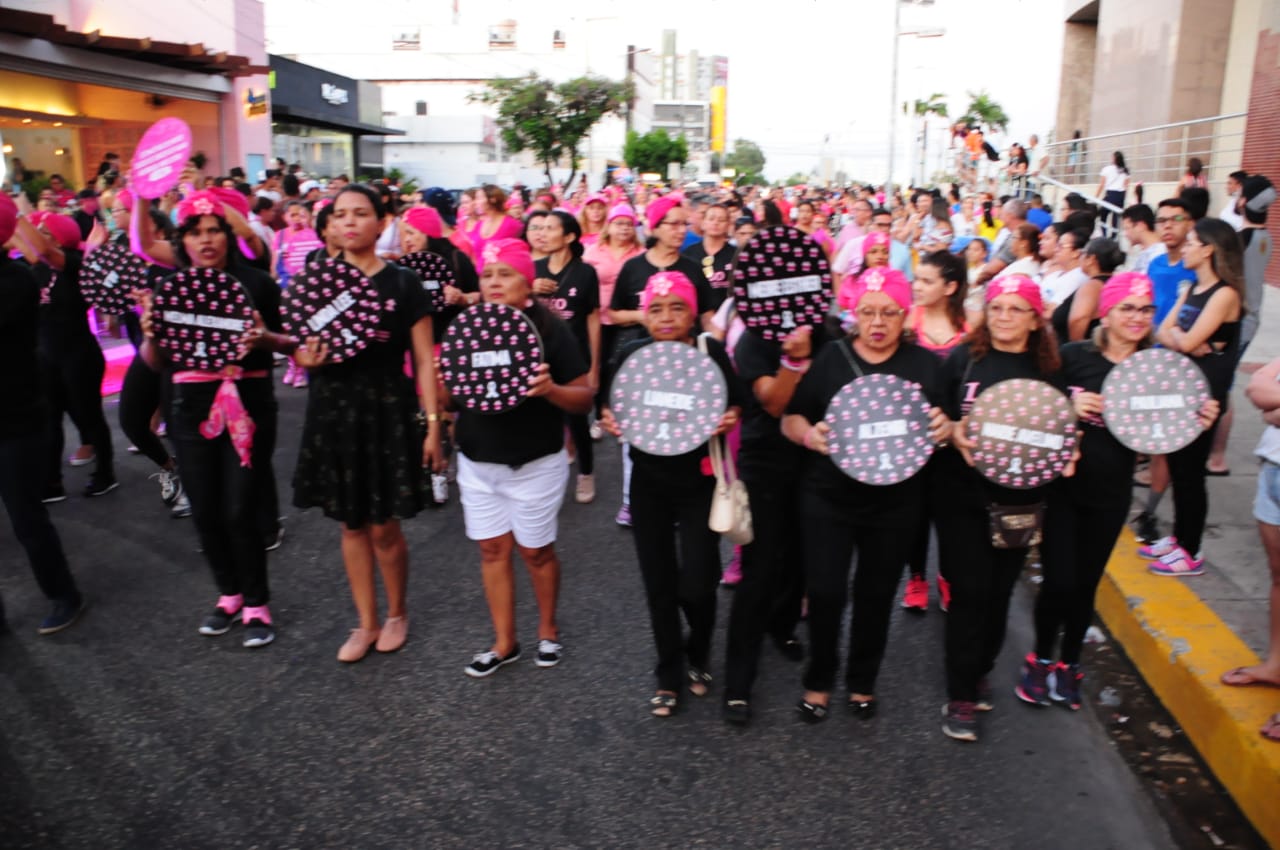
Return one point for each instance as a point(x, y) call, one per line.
point(663, 704)
point(699, 682)
point(863, 709)
point(811, 712)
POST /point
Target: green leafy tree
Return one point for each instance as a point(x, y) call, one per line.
point(551, 119)
point(934, 105)
point(985, 112)
point(798, 179)
point(748, 160)
point(653, 150)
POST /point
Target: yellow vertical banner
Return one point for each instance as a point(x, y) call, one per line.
point(717, 118)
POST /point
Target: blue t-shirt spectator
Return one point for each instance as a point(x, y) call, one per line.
point(1166, 281)
point(1041, 218)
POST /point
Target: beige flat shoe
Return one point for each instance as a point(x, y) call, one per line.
point(358, 645)
point(394, 633)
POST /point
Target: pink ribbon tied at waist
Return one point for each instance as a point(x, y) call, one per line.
point(227, 413)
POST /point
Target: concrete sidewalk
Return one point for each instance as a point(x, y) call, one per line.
point(1184, 633)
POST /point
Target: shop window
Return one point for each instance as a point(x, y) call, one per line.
point(420, 108)
point(406, 38)
point(502, 35)
point(557, 40)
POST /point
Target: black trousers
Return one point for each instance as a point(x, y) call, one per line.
point(22, 480)
point(225, 499)
point(935, 501)
point(73, 386)
point(1190, 497)
point(767, 599)
point(982, 580)
point(662, 512)
point(140, 397)
point(882, 552)
point(580, 431)
point(1078, 539)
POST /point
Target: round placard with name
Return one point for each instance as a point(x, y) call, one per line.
point(879, 429)
point(436, 274)
point(1025, 431)
point(781, 280)
point(488, 356)
point(109, 274)
point(333, 300)
point(668, 398)
point(200, 315)
point(1150, 401)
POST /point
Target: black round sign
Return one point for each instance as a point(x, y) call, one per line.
point(200, 316)
point(109, 274)
point(1025, 432)
point(489, 354)
point(879, 429)
point(781, 280)
point(333, 300)
point(668, 397)
point(1151, 400)
point(436, 274)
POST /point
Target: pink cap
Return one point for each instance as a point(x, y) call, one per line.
point(63, 229)
point(200, 203)
point(596, 198)
point(233, 199)
point(874, 239)
point(669, 283)
point(425, 220)
point(1122, 286)
point(8, 218)
point(658, 209)
point(1017, 284)
point(889, 281)
point(513, 252)
point(623, 210)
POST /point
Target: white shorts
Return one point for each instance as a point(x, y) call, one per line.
point(526, 501)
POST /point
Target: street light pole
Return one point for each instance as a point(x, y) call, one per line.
point(893, 102)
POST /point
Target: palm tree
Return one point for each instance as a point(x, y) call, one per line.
point(933, 105)
point(984, 111)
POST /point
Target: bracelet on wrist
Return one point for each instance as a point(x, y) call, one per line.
point(800, 366)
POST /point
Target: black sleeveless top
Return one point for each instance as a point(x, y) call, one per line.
point(1219, 365)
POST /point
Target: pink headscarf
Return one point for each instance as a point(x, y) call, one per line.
point(515, 201)
point(1017, 284)
point(889, 281)
point(1122, 286)
point(874, 239)
point(199, 203)
point(425, 220)
point(669, 283)
point(8, 218)
point(63, 228)
point(513, 252)
point(623, 210)
point(125, 197)
point(233, 199)
point(657, 210)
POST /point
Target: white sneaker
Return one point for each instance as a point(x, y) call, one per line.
point(170, 486)
point(586, 490)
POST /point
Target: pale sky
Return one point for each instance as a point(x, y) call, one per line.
point(800, 71)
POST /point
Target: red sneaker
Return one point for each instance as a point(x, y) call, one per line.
point(916, 597)
point(944, 594)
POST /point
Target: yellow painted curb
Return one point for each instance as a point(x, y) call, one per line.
point(1181, 648)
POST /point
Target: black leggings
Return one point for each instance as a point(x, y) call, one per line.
point(580, 431)
point(1190, 497)
point(881, 553)
point(1078, 539)
point(226, 497)
point(73, 386)
point(982, 580)
point(767, 600)
point(662, 512)
point(140, 397)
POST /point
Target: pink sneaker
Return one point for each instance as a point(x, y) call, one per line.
point(1177, 563)
point(1159, 548)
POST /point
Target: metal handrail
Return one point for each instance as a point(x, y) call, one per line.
point(1224, 117)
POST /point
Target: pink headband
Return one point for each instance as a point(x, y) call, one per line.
point(876, 238)
point(515, 201)
point(1122, 286)
point(1017, 284)
point(513, 252)
point(425, 220)
point(233, 199)
point(200, 203)
point(63, 228)
point(669, 283)
point(889, 281)
point(8, 218)
point(623, 210)
point(657, 211)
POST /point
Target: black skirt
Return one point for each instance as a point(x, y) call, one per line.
point(360, 459)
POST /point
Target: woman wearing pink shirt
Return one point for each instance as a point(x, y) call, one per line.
point(492, 221)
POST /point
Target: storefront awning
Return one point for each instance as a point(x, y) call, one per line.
point(329, 122)
point(171, 54)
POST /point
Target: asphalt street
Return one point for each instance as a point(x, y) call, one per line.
point(130, 730)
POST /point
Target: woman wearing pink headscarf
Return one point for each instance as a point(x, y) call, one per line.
point(838, 514)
